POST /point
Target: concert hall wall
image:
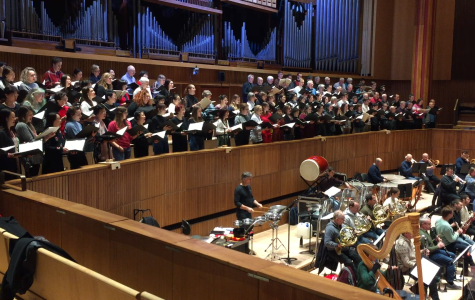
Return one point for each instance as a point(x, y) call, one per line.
point(200, 184)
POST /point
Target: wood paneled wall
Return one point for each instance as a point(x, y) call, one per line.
point(169, 265)
point(195, 184)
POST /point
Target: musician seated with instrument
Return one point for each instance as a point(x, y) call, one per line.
point(367, 210)
point(357, 222)
point(470, 183)
point(459, 162)
point(430, 179)
point(449, 185)
point(406, 259)
point(437, 251)
point(329, 180)
point(366, 277)
point(456, 220)
point(337, 247)
point(451, 238)
point(243, 198)
point(374, 173)
point(467, 217)
point(406, 167)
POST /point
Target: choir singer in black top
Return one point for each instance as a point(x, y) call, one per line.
point(243, 198)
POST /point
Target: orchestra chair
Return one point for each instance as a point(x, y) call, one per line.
point(364, 176)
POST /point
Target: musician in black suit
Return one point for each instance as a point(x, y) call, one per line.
point(374, 174)
point(449, 184)
point(243, 198)
point(246, 87)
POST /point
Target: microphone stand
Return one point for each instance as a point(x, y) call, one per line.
point(289, 259)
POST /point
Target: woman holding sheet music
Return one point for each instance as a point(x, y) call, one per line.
point(242, 137)
point(196, 138)
point(86, 102)
point(105, 83)
point(121, 147)
point(8, 161)
point(102, 151)
point(157, 125)
point(35, 99)
point(26, 133)
point(54, 147)
point(288, 118)
point(179, 137)
point(72, 128)
point(141, 141)
point(256, 132)
point(111, 99)
point(190, 100)
point(222, 128)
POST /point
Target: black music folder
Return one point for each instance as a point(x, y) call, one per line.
point(311, 117)
point(266, 125)
point(250, 123)
point(135, 130)
point(275, 118)
point(87, 131)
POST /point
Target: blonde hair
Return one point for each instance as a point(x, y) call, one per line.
point(24, 73)
point(102, 82)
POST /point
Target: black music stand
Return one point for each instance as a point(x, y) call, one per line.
point(465, 168)
point(419, 168)
point(444, 167)
point(289, 259)
point(405, 189)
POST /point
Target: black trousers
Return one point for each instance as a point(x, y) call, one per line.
point(448, 198)
point(431, 182)
point(348, 257)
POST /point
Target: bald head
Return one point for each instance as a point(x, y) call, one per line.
point(425, 157)
point(408, 157)
point(378, 161)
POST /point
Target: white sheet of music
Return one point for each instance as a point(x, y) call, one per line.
point(122, 131)
point(332, 191)
point(380, 238)
point(290, 125)
point(160, 134)
point(40, 115)
point(7, 148)
point(75, 145)
point(49, 130)
point(145, 126)
point(57, 89)
point(130, 119)
point(30, 146)
point(236, 127)
point(196, 126)
point(429, 270)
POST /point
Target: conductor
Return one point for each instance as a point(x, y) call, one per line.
point(243, 198)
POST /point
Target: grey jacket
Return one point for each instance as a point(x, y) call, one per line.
point(26, 135)
point(332, 233)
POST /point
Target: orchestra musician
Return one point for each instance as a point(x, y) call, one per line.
point(456, 220)
point(374, 174)
point(459, 162)
point(243, 198)
point(465, 215)
point(470, 181)
point(328, 180)
point(406, 259)
point(366, 277)
point(437, 251)
point(350, 216)
point(367, 210)
point(406, 167)
point(451, 238)
point(449, 184)
point(349, 257)
point(430, 179)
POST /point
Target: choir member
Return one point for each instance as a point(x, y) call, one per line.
point(144, 85)
point(121, 85)
point(179, 137)
point(167, 90)
point(53, 147)
point(233, 106)
point(105, 83)
point(76, 159)
point(157, 125)
point(35, 100)
point(8, 76)
point(256, 132)
point(95, 74)
point(53, 76)
point(196, 138)
point(28, 81)
point(222, 128)
point(176, 100)
point(102, 152)
point(121, 147)
point(111, 99)
point(11, 95)
point(26, 133)
point(190, 100)
point(142, 102)
point(242, 137)
point(8, 161)
point(246, 87)
point(141, 143)
point(77, 75)
point(223, 102)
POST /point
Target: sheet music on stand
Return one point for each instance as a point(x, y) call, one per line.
point(429, 270)
point(379, 239)
point(332, 191)
point(461, 254)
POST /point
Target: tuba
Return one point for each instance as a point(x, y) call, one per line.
point(380, 213)
point(347, 238)
point(362, 224)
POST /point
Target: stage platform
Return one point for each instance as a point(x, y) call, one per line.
point(304, 260)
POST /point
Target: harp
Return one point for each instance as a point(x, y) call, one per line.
point(409, 223)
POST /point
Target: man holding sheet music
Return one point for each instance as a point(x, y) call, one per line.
point(406, 259)
point(452, 238)
point(438, 253)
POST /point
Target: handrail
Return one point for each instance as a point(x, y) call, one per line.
point(456, 112)
point(22, 178)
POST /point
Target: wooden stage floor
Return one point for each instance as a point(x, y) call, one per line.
point(262, 241)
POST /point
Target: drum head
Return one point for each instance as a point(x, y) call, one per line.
point(312, 167)
point(247, 221)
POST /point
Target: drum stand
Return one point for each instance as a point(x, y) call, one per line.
point(274, 242)
point(312, 188)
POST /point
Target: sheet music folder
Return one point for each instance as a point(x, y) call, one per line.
point(429, 270)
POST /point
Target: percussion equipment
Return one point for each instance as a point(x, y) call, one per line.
point(311, 168)
point(384, 189)
point(347, 195)
point(393, 177)
point(237, 223)
point(278, 208)
point(272, 216)
point(259, 221)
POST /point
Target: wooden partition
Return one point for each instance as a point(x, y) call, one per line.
point(192, 185)
point(170, 265)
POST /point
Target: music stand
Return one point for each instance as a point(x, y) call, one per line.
point(405, 189)
point(429, 270)
point(465, 168)
point(289, 259)
point(444, 167)
point(419, 168)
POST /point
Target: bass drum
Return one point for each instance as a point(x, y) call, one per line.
point(312, 167)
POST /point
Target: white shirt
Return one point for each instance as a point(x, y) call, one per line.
point(341, 102)
point(137, 90)
point(85, 107)
point(390, 201)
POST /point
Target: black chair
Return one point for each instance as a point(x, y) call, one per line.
point(364, 176)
